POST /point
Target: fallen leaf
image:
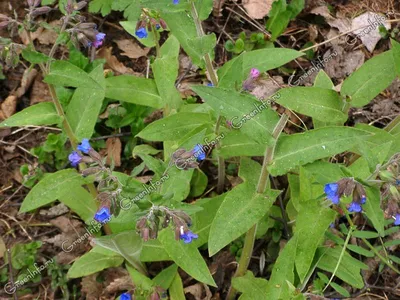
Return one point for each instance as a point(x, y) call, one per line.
point(39, 91)
point(106, 113)
point(370, 23)
point(265, 88)
point(26, 82)
point(34, 35)
point(131, 49)
point(2, 247)
point(49, 37)
point(113, 63)
point(91, 287)
point(199, 291)
point(114, 148)
point(8, 107)
point(257, 9)
point(55, 211)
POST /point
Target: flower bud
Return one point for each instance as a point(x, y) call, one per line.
point(386, 176)
point(3, 17)
point(37, 3)
point(141, 223)
point(84, 40)
point(80, 5)
point(4, 24)
point(155, 296)
point(144, 233)
point(163, 24)
point(103, 196)
point(30, 2)
point(95, 155)
point(90, 171)
point(84, 26)
point(394, 192)
point(41, 11)
point(140, 24)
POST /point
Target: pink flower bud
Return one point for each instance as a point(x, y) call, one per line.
point(254, 73)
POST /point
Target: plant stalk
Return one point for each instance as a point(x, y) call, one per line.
point(247, 250)
point(214, 80)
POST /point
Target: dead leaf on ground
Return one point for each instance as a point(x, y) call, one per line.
point(8, 107)
point(200, 291)
point(55, 211)
point(2, 247)
point(34, 35)
point(91, 287)
point(114, 148)
point(131, 49)
point(117, 280)
point(40, 91)
point(265, 88)
point(106, 113)
point(26, 82)
point(370, 23)
point(341, 63)
point(113, 63)
point(49, 37)
point(257, 9)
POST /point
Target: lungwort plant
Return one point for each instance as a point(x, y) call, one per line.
point(340, 201)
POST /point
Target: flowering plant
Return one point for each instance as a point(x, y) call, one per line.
point(189, 203)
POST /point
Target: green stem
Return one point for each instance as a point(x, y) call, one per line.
point(247, 250)
point(373, 248)
point(154, 31)
point(214, 80)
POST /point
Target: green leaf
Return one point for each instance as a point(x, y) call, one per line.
point(176, 290)
point(43, 113)
point(323, 81)
point(50, 188)
point(283, 271)
point(240, 210)
point(337, 287)
point(34, 57)
point(360, 250)
point(396, 55)
point(153, 251)
point(318, 103)
point(204, 8)
point(279, 18)
point(238, 108)
point(349, 268)
point(186, 256)
point(81, 202)
point(373, 209)
point(77, 58)
point(133, 89)
point(144, 149)
point(361, 87)
point(174, 126)
point(198, 184)
point(302, 148)
point(66, 74)
point(235, 143)
point(85, 106)
point(312, 221)
point(93, 262)
point(165, 278)
point(141, 281)
point(235, 71)
point(131, 8)
point(128, 244)
point(103, 6)
point(165, 69)
point(250, 286)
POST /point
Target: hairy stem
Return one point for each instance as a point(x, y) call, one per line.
point(247, 250)
point(214, 80)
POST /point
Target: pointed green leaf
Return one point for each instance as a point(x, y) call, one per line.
point(39, 114)
point(80, 201)
point(186, 256)
point(250, 286)
point(50, 188)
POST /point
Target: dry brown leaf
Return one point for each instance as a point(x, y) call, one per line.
point(91, 287)
point(200, 291)
point(105, 114)
point(34, 35)
point(26, 82)
point(265, 88)
point(8, 107)
point(120, 284)
point(114, 148)
point(2, 247)
point(131, 49)
point(113, 63)
point(257, 9)
point(40, 91)
point(55, 211)
point(49, 37)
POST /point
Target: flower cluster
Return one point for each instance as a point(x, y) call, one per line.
point(147, 24)
point(185, 160)
point(109, 188)
point(346, 187)
point(249, 83)
point(160, 217)
point(88, 35)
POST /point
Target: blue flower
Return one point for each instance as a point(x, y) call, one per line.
point(397, 182)
point(331, 191)
point(355, 207)
point(141, 33)
point(74, 158)
point(99, 39)
point(84, 146)
point(363, 199)
point(158, 26)
point(125, 296)
point(332, 225)
point(199, 152)
point(176, 2)
point(397, 220)
point(103, 215)
point(210, 84)
point(188, 236)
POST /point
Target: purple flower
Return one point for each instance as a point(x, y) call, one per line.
point(141, 33)
point(188, 236)
point(74, 158)
point(254, 73)
point(331, 191)
point(397, 182)
point(103, 215)
point(125, 296)
point(355, 207)
point(363, 199)
point(176, 2)
point(199, 152)
point(84, 146)
point(210, 84)
point(397, 220)
point(99, 39)
point(332, 225)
